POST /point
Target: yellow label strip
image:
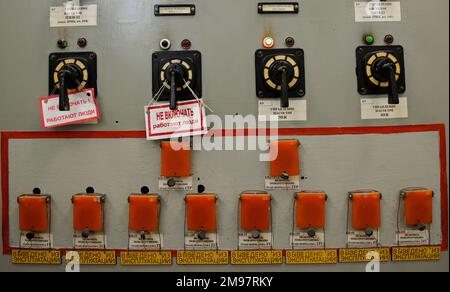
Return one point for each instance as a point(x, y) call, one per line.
point(145, 258)
point(416, 253)
point(363, 255)
point(96, 257)
point(311, 257)
point(215, 257)
point(35, 257)
point(256, 257)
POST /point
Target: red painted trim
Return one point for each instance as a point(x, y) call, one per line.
point(440, 128)
point(444, 187)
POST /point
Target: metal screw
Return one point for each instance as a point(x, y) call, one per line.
point(92, 56)
point(260, 93)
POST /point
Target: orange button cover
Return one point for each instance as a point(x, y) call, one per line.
point(310, 210)
point(366, 210)
point(284, 158)
point(201, 212)
point(87, 213)
point(33, 213)
point(255, 212)
point(175, 163)
point(144, 211)
point(419, 207)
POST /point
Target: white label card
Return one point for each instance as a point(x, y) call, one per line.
point(187, 120)
point(70, 15)
point(83, 108)
point(150, 241)
point(377, 11)
point(301, 240)
point(181, 184)
point(297, 110)
point(278, 183)
point(192, 242)
point(380, 109)
point(413, 237)
point(247, 241)
point(39, 241)
point(96, 240)
point(359, 239)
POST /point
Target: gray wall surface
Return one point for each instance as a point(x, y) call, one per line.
point(227, 33)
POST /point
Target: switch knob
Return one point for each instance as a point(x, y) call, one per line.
point(171, 182)
point(281, 73)
point(368, 232)
point(175, 74)
point(201, 235)
point(69, 77)
point(284, 175)
point(256, 234)
point(85, 234)
point(311, 232)
point(421, 227)
point(29, 235)
point(385, 71)
point(142, 235)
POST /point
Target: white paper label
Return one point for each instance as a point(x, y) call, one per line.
point(278, 7)
point(187, 120)
point(247, 241)
point(181, 184)
point(174, 10)
point(278, 183)
point(96, 240)
point(413, 238)
point(39, 241)
point(301, 240)
point(377, 11)
point(192, 242)
point(151, 241)
point(359, 239)
point(69, 15)
point(83, 108)
point(272, 107)
point(379, 108)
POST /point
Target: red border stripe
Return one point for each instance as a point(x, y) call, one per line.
point(440, 128)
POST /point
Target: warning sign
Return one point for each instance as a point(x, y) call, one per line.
point(145, 258)
point(83, 108)
point(215, 257)
point(36, 257)
point(256, 257)
point(305, 257)
point(187, 120)
point(419, 253)
point(100, 257)
point(363, 255)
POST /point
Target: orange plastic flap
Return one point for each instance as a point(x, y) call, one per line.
point(175, 159)
point(419, 207)
point(33, 213)
point(366, 210)
point(201, 212)
point(284, 158)
point(144, 211)
point(255, 212)
point(87, 212)
point(310, 210)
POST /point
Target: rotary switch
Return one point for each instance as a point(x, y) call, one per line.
point(380, 70)
point(280, 74)
point(177, 76)
point(71, 72)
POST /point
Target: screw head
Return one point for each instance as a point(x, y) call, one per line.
point(260, 93)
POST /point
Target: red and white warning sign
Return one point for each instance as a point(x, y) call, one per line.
point(187, 120)
point(83, 108)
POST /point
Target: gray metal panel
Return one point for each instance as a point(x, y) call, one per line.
point(227, 33)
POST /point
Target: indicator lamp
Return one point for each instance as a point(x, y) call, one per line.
point(186, 44)
point(268, 42)
point(369, 39)
point(290, 42)
point(389, 39)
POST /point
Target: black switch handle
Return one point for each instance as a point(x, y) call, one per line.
point(393, 88)
point(173, 90)
point(284, 88)
point(64, 104)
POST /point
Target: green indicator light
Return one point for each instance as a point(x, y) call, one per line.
point(369, 39)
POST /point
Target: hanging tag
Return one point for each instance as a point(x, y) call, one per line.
point(187, 120)
point(83, 108)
